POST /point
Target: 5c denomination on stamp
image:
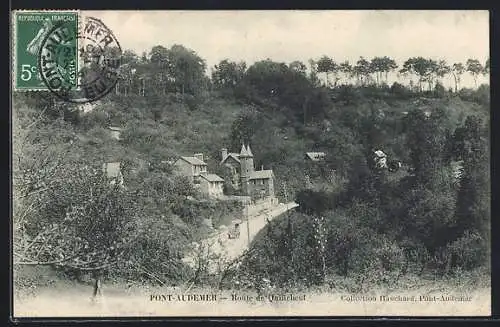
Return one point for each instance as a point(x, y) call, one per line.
point(31, 28)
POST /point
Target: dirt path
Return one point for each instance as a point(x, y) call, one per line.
point(228, 249)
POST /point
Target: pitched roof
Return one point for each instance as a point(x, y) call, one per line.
point(235, 156)
point(212, 177)
point(380, 154)
point(315, 156)
point(261, 174)
point(249, 152)
point(112, 169)
point(243, 151)
point(193, 161)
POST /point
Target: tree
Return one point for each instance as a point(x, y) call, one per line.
point(424, 69)
point(313, 74)
point(471, 146)
point(442, 69)
point(389, 65)
point(474, 68)
point(160, 70)
point(382, 66)
point(187, 69)
point(128, 66)
point(457, 70)
point(298, 67)
point(228, 74)
point(66, 213)
point(278, 84)
point(486, 69)
point(244, 128)
point(346, 69)
point(326, 65)
point(362, 71)
point(427, 141)
point(376, 67)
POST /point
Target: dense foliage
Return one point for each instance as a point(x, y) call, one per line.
point(354, 218)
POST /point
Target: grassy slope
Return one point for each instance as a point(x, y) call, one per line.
point(205, 128)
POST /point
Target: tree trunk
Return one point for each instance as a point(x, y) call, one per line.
point(304, 106)
point(97, 285)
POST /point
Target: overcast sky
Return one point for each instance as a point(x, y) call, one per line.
point(300, 35)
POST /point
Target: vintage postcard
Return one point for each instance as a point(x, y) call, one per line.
point(250, 163)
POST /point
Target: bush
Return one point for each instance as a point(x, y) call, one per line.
point(440, 91)
point(193, 102)
point(400, 91)
point(468, 251)
point(481, 95)
point(157, 250)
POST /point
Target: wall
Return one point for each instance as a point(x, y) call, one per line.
point(233, 169)
point(184, 168)
point(211, 189)
point(261, 186)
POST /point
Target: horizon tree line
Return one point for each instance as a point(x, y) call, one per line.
point(179, 69)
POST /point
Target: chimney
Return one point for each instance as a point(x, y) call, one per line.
point(198, 156)
point(224, 153)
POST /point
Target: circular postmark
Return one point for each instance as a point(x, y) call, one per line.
point(80, 66)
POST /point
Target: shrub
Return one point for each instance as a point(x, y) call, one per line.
point(468, 251)
point(400, 91)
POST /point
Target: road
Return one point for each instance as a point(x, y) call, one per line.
point(224, 249)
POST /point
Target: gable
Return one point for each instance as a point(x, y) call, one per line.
point(315, 156)
point(230, 160)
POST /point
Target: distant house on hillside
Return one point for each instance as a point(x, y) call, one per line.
point(380, 159)
point(191, 167)
point(255, 183)
point(113, 172)
point(315, 156)
point(457, 169)
point(115, 132)
point(231, 161)
point(212, 185)
point(195, 169)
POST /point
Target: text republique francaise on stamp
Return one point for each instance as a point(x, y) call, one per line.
point(31, 29)
point(76, 59)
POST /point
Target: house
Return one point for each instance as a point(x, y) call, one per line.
point(212, 185)
point(191, 167)
point(195, 169)
point(457, 169)
point(254, 183)
point(113, 172)
point(315, 156)
point(115, 132)
point(231, 161)
point(380, 159)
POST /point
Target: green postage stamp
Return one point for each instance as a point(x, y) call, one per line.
point(31, 30)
